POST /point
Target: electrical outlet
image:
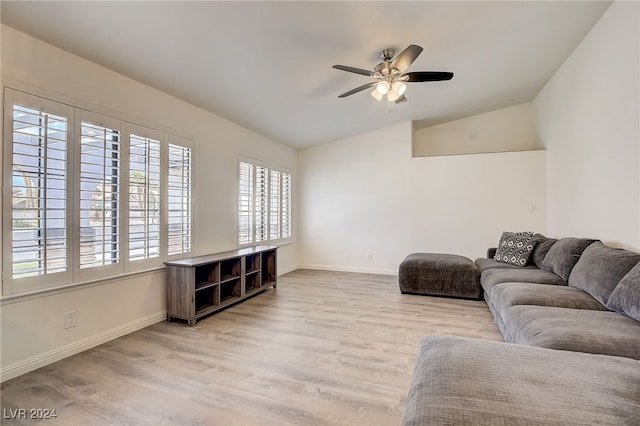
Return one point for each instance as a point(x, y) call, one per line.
point(347, 257)
point(369, 257)
point(70, 319)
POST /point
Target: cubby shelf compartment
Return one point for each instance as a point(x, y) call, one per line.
point(199, 286)
point(253, 263)
point(252, 281)
point(207, 275)
point(207, 299)
point(230, 269)
point(230, 290)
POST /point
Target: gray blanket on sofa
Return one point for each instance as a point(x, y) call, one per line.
point(461, 381)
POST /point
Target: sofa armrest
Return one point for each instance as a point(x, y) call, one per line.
point(491, 252)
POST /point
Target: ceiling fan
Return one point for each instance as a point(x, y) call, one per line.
point(390, 75)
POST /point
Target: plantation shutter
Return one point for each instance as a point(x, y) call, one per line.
point(180, 199)
point(37, 236)
point(144, 196)
point(286, 205)
point(275, 207)
point(245, 203)
point(261, 203)
point(100, 190)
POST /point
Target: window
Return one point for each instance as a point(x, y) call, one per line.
point(87, 196)
point(264, 209)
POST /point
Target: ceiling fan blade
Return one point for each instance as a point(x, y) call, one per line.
point(354, 70)
point(358, 89)
point(406, 57)
point(419, 76)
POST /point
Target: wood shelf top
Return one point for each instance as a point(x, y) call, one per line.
point(202, 260)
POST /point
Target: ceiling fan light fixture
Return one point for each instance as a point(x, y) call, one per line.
point(382, 87)
point(390, 76)
point(376, 95)
point(392, 96)
point(399, 88)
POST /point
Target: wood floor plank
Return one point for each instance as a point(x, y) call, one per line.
point(324, 348)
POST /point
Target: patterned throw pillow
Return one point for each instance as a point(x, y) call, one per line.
point(515, 248)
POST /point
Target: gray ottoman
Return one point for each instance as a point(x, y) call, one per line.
point(439, 274)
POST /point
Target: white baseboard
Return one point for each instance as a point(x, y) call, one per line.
point(50, 357)
point(377, 271)
point(282, 271)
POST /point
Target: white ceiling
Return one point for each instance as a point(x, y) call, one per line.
point(267, 65)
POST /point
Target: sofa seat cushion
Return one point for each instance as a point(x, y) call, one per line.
point(626, 296)
point(601, 268)
point(461, 381)
point(491, 277)
point(564, 254)
point(505, 295)
point(579, 330)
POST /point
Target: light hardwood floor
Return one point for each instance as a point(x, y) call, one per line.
point(324, 348)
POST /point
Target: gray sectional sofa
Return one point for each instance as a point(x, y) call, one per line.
point(569, 297)
point(570, 315)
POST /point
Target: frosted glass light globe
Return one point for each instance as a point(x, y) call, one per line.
point(382, 87)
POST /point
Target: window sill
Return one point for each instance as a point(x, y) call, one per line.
point(277, 243)
point(50, 291)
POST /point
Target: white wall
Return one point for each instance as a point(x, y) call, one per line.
point(356, 201)
point(589, 120)
point(32, 327)
point(504, 130)
point(366, 195)
point(461, 204)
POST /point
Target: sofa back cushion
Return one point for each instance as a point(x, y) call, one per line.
point(600, 269)
point(564, 254)
point(625, 298)
point(541, 249)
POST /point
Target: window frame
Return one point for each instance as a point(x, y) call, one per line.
point(74, 275)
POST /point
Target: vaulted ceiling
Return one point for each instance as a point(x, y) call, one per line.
point(268, 65)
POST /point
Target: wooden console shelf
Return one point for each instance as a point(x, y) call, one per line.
point(199, 286)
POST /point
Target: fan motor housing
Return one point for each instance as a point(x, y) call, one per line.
point(383, 69)
point(387, 54)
